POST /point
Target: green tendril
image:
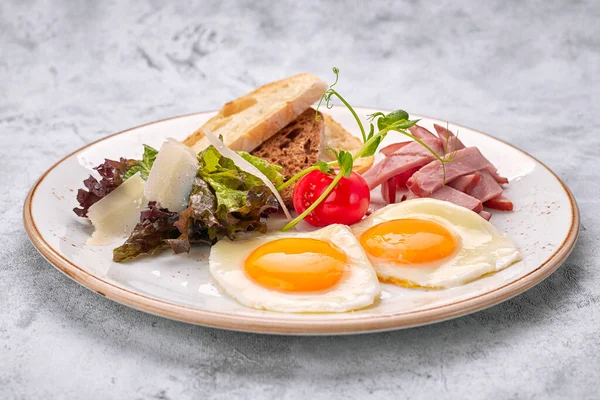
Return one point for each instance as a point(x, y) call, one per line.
point(397, 121)
point(316, 167)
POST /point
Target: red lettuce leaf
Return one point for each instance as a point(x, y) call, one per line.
point(155, 231)
point(112, 173)
point(224, 202)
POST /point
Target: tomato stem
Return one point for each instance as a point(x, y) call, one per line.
point(314, 205)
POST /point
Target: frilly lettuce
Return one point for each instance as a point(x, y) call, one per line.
point(225, 200)
point(144, 165)
point(112, 174)
point(154, 232)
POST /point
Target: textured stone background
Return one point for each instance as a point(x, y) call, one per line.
point(73, 71)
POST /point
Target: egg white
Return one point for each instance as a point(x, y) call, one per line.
point(358, 287)
point(482, 247)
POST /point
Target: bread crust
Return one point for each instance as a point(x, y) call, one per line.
point(266, 106)
point(271, 117)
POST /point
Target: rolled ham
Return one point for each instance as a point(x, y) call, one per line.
point(410, 171)
point(431, 177)
point(449, 139)
point(421, 133)
point(500, 203)
point(392, 148)
point(466, 183)
point(408, 157)
point(452, 195)
point(487, 188)
point(485, 215)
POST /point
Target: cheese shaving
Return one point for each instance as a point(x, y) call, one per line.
point(246, 166)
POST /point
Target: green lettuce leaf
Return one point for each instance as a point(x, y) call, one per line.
point(227, 200)
point(224, 201)
point(198, 223)
point(144, 165)
point(271, 171)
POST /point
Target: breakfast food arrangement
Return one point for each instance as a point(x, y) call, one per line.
point(283, 195)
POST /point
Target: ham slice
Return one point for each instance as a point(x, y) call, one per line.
point(392, 148)
point(451, 142)
point(401, 194)
point(485, 215)
point(452, 195)
point(402, 178)
point(421, 133)
point(410, 195)
point(417, 131)
point(411, 156)
point(392, 194)
point(411, 171)
point(487, 188)
point(466, 183)
point(431, 177)
point(500, 203)
point(388, 190)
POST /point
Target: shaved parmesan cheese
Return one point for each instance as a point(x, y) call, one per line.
point(115, 215)
point(172, 176)
point(246, 166)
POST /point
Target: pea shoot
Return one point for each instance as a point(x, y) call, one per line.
point(379, 125)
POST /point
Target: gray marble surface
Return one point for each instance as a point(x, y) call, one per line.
point(73, 71)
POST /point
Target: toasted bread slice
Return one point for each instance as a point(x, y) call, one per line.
point(295, 147)
point(336, 137)
point(248, 121)
point(305, 141)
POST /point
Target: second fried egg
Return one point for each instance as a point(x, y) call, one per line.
point(433, 244)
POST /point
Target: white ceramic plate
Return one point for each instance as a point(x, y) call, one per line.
point(544, 224)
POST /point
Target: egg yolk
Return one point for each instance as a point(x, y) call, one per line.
point(296, 265)
point(408, 241)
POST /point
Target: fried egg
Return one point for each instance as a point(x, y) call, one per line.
point(319, 271)
point(432, 244)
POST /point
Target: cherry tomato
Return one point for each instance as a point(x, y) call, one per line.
point(346, 204)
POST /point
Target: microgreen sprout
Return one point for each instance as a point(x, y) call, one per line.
point(397, 121)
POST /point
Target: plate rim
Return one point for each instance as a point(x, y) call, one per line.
point(285, 326)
